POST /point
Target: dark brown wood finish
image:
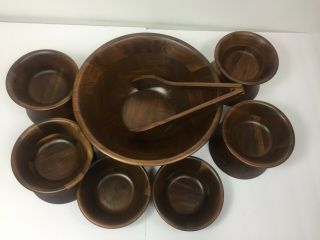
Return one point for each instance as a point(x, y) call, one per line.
point(255, 135)
point(114, 194)
point(138, 124)
point(50, 158)
point(142, 125)
point(42, 82)
point(188, 194)
point(247, 58)
point(105, 101)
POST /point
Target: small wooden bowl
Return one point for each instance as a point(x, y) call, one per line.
point(247, 58)
point(114, 194)
point(256, 135)
point(188, 194)
point(106, 103)
point(50, 158)
point(42, 81)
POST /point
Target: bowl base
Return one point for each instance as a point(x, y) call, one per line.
point(48, 87)
point(57, 158)
point(115, 192)
point(252, 138)
point(185, 194)
point(242, 63)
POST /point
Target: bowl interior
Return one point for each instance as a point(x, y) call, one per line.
point(258, 133)
point(246, 58)
point(188, 194)
point(106, 104)
point(114, 194)
point(51, 156)
point(41, 79)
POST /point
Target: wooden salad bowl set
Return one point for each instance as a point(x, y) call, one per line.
point(146, 99)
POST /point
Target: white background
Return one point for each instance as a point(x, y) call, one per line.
point(266, 15)
point(283, 203)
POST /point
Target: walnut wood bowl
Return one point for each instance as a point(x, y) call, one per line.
point(50, 158)
point(246, 58)
point(188, 194)
point(106, 103)
point(255, 136)
point(42, 81)
point(114, 194)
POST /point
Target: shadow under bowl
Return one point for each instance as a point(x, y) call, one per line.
point(114, 194)
point(50, 158)
point(188, 194)
point(246, 58)
point(42, 82)
point(106, 104)
point(229, 163)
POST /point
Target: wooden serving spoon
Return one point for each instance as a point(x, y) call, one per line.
point(149, 81)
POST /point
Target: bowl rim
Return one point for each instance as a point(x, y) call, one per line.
point(248, 160)
point(130, 220)
point(122, 158)
point(70, 184)
point(35, 53)
point(221, 198)
point(254, 35)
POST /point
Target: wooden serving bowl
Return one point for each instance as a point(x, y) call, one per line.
point(50, 158)
point(42, 81)
point(255, 136)
point(247, 58)
point(114, 194)
point(106, 103)
point(188, 194)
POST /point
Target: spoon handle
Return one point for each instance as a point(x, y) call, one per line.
point(147, 81)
